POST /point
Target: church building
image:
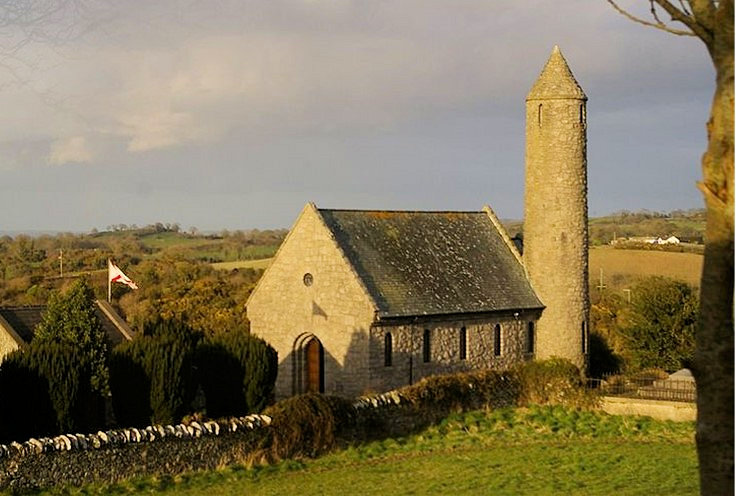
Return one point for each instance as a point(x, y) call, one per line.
point(360, 301)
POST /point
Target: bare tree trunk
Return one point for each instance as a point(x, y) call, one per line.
point(714, 354)
point(712, 22)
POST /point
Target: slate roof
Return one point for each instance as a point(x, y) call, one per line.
point(429, 263)
point(24, 320)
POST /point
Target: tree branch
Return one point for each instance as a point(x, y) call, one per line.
point(658, 25)
point(705, 12)
point(698, 26)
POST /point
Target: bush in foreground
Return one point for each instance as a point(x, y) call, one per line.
point(552, 382)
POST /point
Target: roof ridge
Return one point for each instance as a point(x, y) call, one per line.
point(400, 211)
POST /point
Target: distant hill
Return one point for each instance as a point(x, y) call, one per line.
point(687, 225)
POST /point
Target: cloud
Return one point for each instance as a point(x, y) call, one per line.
point(70, 150)
point(197, 72)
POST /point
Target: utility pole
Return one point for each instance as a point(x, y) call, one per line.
point(61, 263)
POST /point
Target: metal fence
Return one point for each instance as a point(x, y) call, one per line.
point(650, 388)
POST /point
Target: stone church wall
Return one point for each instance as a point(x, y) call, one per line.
point(334, 308)
point(407, 341)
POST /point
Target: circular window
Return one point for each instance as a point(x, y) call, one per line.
point(308, 279)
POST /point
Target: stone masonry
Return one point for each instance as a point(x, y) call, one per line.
point(407, 361)
point(556, 212)
point(334, 308)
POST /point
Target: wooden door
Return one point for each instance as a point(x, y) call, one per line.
point(315, 374)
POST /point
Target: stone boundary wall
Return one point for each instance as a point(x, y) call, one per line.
point(114, 455)
point(657, 409)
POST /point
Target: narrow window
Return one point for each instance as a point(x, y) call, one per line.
point(539, 115)
point(530, 338)
point(463, 343)
point(497, 340)
point(582, 114)
point(426, 352)
point(584, 337)
point(387, 349)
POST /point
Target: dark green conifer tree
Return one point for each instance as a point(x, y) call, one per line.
point(71, 318)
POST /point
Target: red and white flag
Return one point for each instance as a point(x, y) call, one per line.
point(114, 274)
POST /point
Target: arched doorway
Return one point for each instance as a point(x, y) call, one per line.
point(314, 361)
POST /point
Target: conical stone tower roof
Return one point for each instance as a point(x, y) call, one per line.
point(556, 81)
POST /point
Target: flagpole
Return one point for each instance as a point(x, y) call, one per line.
point(109, 283)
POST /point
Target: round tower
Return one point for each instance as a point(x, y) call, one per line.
point(556, 210)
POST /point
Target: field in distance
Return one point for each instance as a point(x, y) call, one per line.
point(260, 263)
point(621, 267)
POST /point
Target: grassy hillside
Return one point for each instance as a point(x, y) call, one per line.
point(685, 224)
point(542, 450)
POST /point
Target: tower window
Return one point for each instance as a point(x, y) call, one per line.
point(530, 338)
point(497, 340)
point(582, 114)
point(426, 352)
point(463, 343)
point(539, 115)
point(387, 349)
point(584, 337)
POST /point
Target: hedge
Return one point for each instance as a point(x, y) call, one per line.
point(237, 372)
point(47, 389)
point(153, 375)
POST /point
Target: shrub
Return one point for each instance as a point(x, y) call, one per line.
point(130, 385)
point(307, 425)
point(25, 409)
point(451, 392)
point(661, 332)
point(165, 356)
point(47, 389)
point(497, 389)
point(552, 382)
point(221, 377)
point(237, 372)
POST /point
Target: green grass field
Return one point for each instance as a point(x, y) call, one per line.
point(163, 240)
point(539, 451)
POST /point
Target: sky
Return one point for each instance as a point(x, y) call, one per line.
point(232, 114)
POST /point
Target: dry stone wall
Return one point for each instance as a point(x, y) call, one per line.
point(110, 456)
